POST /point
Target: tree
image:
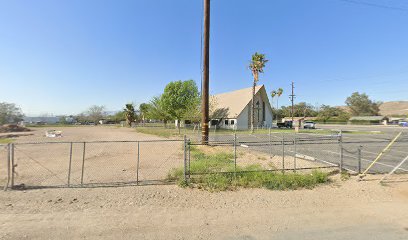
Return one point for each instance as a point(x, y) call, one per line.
point(278, 113)
point(327, 113)
point(157, 112)
point(361, 105)
point(279, 93)
point(301, 109)
point(129, 112)
point(10, 113)
point(144, 109)
point(256, 66)
point(273, 95)
point(81, 118)
point(95, 113)
point(179, 99)
point(63, 120)
point(118, 117)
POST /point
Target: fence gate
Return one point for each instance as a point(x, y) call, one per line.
point(158, 158)
point(39, 164)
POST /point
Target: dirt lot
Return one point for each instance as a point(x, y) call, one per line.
point(103, 162)
point(51, 164)
point(339, 210)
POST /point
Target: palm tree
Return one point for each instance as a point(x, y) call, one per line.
point(273, 95)
point(129, 113)
point(278, 93)
point(256, 66)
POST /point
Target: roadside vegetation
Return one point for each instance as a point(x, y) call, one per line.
point(215, 172)
point(5, 140)
point(169, 132)
point(158, 131)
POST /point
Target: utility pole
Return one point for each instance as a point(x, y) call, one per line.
point(292, 98)
point(206, 74)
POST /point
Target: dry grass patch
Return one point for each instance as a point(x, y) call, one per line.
point(216, 172)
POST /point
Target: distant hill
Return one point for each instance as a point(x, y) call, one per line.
point(394, 108)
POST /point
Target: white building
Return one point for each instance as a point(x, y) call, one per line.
point(233, 109)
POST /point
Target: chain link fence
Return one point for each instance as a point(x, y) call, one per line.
point(84, 164)
point(99, 163)
point(242, 152)
point(359, 154)
point(295, 151)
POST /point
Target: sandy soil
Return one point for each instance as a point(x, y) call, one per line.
point(105, 162)
point(339, 210)
point(111, 162)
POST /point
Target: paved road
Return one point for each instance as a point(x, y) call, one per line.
point(326, 148)
point(382, 128)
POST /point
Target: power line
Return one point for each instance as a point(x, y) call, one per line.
point(375, 5)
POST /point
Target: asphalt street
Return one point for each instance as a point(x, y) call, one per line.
point(358, 142)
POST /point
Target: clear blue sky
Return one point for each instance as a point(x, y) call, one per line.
point(61, 57)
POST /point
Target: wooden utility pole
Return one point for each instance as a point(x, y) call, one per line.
point(206, 74)
point(292, 99)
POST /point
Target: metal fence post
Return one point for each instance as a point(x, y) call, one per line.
point(8, 167)
point(359, 159)
point(235, 154)
point(69, 165)
point(189, 158)
point(185, 158)
point(341, 151)
point(138, 162)
point(294, 152)
point(13, 166)
point(270, 143)
point(83, 164)
point(283, 153)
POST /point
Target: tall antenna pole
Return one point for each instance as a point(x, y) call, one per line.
point(206, 74)
point(292, 99)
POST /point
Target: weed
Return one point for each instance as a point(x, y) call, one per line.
point(215, 172)
point(345, 176)
point(5, 140)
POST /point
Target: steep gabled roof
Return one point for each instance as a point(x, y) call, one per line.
point(235, 101)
